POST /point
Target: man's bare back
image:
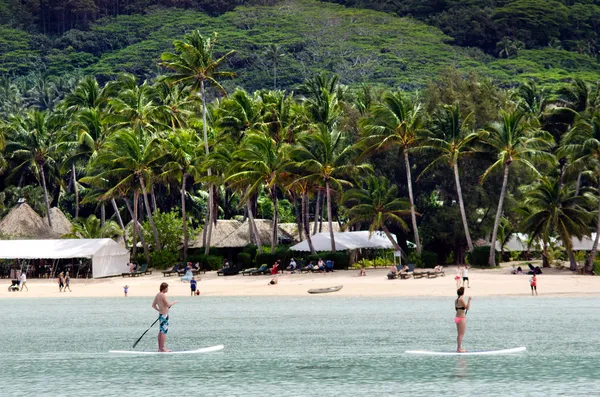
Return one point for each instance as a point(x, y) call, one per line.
point(161, 304)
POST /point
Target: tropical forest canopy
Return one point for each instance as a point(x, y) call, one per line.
point(300, 111)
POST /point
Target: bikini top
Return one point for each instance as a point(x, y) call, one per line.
point(458, 308)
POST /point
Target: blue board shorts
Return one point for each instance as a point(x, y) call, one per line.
point(163, 321)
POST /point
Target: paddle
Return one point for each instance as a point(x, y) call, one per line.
point(140, 338)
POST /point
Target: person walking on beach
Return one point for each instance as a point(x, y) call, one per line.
point(24, 281)
point(162, 306)
point(461, 318)
point(533, 284)
point(465, 276)
point(193, 285)
point(125, 290)
point(458, 276)
point(67, 283)
point(61, 282)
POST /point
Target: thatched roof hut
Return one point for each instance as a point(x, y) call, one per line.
point(60, 223)
point(241, 237)
point(23, 222)
point(223, 229)
point(292, 229)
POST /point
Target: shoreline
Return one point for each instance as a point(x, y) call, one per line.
point(484, 283)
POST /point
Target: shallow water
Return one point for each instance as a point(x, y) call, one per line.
point(303, 346)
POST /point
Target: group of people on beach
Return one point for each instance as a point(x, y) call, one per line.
point(462, 275)
point(64, 282)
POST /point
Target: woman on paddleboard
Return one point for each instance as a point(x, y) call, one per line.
point(461, 318)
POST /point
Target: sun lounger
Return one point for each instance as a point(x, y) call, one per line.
point(420, 274)
point(264, 269)
point(405, 275)
point(143, 271)
point(173, 270)
point(248, 272)
point(230, 271)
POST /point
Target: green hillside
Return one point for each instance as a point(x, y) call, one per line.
point(360, 45)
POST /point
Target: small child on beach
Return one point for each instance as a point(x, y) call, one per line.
point(125, 289)
point(533, 284)
point(193, 284)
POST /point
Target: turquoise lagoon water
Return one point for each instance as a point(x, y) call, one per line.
point(302, 346)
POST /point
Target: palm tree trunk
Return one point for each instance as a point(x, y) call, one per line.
point(578, 184)
point(572, 260)
point(212, 221)
point(136, 225)
point(102, 214)
point(154, 207)
point(134, 236)
point(305, 222)
point(275, 218)
point(545, 260)
point(461, 204)
point(589, 262)
point(253, 229)
point(317, 204)
point(322, 216)
point(331, 235)
point(184, 218)
point(392, 240)
point(120, 220)
point(413, 214)
point(298, 214)
point(492, 258)
point(207, 229)
point(75, 190)
point(43, 179)
point(149, 213)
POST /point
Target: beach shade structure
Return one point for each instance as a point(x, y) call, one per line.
point(520, 242)
point(24, 223)
point(347, 241)
point(223, 229)
point(60, 223)
point(292, 229)
point(108, 257)
point(236, 234)
point(585, 244)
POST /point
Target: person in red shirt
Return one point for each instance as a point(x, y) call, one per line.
point(533, 284)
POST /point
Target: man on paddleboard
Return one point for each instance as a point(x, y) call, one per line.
point(162, 306)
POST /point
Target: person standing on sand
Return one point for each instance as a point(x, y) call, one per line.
point(24, 280)
point(67, 283)
point(458, 276)
point(193, 284)
point(461, 318)
point(533, 284)
point(61, 282)
point(125, 290)
point(465, 276)
point(162, 306)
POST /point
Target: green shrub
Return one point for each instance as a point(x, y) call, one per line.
point(596, 268)
point(210, 262)
point(415, 258)
point(244, 260)
point(265, 259)
point(251, 250)
point(163, 259)
point(480, 255)
point(429, 258)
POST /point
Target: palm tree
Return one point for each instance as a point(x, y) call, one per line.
point(326, 156)
point(274, 53)
point(395, 123)
point(32, 146)
point(238, 115)
point(193, 67)
point(377, 204)
point(93, 228)
point(262, 162)
point(582, 143)
point(557, 209)
point(86, 95)
point(451, 137)
point(514, 141)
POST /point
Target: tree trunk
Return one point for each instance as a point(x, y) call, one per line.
point(184, 218)
point(75, 190)
point(317, 204)
point(275, 218)
point(136, 225)
point(545, 260)
point(253, 228)
point(206, 222)
point(298, 214)
point(154, 207)
point(305, 222)
point(392, 240)
point(120, 220)
point(207, 228)
point(589, 262)
point(102, 214)
point(43, 179)
point(322, 214)
point(331, 235)
point(413, 214)
point(212, 221)
point(492, 257)
point(461, 204)
point(572, 260)
point(149, 213)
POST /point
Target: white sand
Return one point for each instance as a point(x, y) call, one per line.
point(496, 282)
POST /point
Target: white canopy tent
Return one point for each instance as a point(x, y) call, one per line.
point(585, 244)
point(347, 241)
point(519, 242)
point(108, 257)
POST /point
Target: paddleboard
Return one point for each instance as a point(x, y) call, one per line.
point(468, 353)
point(197, 351)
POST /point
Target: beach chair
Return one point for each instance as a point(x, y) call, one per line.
point(248, 272)
point(305, 269)
point(230, 271)
point(329, 266)
point(409, 273)
point(173, 270)
point(264, 269)
point(143, 270)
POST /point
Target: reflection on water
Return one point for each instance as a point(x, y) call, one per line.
point(303, 346)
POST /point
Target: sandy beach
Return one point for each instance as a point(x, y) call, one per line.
point(496, 282)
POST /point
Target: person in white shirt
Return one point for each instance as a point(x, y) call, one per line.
point(24, 281)
point(465, 276)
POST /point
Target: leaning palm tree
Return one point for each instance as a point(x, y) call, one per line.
point(377, 203)
point(582, 144)
point(395, 123)
point(451, 138)
point(514, 141)
point(558, 210)
point(93, 228)
point(32, 147)
point(193, 67)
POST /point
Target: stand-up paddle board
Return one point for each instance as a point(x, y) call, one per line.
point(203, 350)
point(468, 353)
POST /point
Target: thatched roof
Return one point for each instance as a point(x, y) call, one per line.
point(292, 229)
point(241, 237)
point(223, 229)
point(60, 223)
point(24, 223)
